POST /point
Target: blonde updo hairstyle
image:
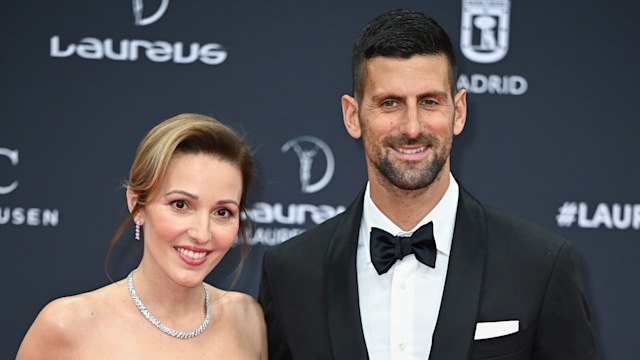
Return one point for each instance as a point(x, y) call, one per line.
point(190, 134)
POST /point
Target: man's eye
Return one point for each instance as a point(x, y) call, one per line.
point(389, 103)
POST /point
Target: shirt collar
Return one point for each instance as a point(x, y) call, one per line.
point(443, 217)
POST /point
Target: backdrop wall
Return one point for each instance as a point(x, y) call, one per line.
point(551, 132)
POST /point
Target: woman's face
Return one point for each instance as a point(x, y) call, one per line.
point(194, 218)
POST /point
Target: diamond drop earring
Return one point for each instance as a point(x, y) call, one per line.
point(137, 236)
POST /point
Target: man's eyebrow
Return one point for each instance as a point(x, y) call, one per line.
point(385, 96)
point(391, 96)
point(437, 94)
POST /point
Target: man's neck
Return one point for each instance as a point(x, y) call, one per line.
point(406, 208)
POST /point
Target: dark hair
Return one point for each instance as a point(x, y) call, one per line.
point(190, 134)
point(401, 33)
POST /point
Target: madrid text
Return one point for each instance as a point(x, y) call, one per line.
point(493, 84)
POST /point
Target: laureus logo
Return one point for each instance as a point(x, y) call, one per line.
point(484, 35)
point(306, 155)
point(158, 51)
point(138, 12)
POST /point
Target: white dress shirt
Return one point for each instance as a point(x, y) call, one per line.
point(399, 308)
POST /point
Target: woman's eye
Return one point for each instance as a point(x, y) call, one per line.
point(224, 213)
point(179, 204)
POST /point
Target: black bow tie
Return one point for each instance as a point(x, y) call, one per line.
point(386, 248)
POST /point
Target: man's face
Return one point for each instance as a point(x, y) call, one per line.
point(407, 118)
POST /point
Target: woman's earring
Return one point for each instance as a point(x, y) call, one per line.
point(137, 237)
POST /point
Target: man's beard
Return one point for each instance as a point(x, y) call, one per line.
point(418, 175)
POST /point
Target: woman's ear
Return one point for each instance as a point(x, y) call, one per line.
point(132, 200)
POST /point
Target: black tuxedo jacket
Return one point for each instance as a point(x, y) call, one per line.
point(500, 268)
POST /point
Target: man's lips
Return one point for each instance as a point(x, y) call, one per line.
point(410, 150)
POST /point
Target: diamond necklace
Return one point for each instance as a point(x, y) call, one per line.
point(162, 327)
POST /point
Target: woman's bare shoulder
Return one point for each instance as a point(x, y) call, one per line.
point(62, 323)
point(244, 314)
point(80, 311)
point(238, 304)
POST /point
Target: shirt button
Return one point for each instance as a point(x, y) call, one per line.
point(401, 347)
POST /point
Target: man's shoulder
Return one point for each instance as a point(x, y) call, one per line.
point(517, 230)
point(312, 239)
point(511, 222)
point(310, 247)
point(505, 226)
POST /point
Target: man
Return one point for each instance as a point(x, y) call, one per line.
point(489, 286)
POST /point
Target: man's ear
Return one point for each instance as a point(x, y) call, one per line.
point(460, 116)
point(350, 116)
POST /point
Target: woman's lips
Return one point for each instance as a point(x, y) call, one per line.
point(192, 257)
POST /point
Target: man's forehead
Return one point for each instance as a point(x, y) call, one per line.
point(431, 71)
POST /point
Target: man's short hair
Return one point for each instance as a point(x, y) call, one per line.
point(403, 34)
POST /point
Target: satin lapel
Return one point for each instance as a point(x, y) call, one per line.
point(343, 307)
point(456, 323)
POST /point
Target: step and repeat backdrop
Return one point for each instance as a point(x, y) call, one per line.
point(551, 134)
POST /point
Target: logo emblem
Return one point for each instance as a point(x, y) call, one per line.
point(138, 9)
point(306, 157)
point(13, 157)
point(484, 35)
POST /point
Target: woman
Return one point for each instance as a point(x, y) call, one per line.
point(186, 191)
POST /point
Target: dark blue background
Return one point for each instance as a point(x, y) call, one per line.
point(571, 137)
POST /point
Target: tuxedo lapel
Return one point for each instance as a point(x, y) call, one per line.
point(343, 307)
point(458, 312)
point(456, 323)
